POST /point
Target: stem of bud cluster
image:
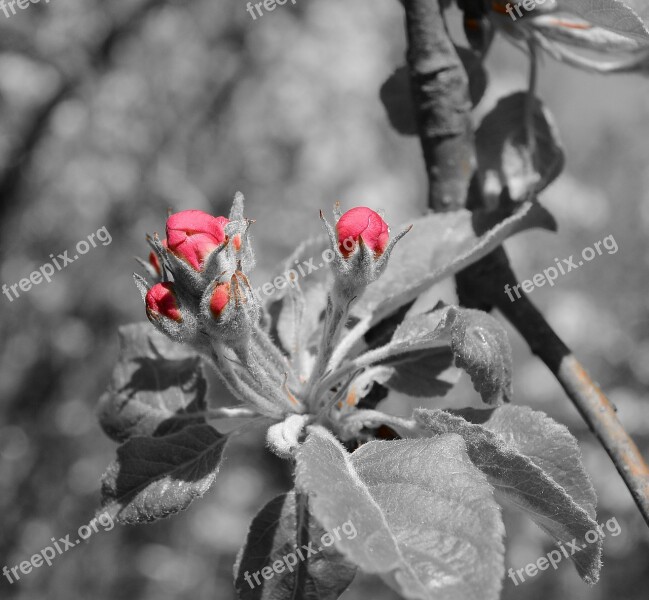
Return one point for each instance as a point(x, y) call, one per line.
point(335, 319)
point(262, 363)
point(298, 305)
point(240, 385)
point(270, 351)
point(327, 405)
point(280, 378)
point(261, 380)
point(354, 336)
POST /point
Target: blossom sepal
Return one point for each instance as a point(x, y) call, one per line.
point(155, 265)
point(166, 311)
point(234, 255)
point(189, 282)
point(230, 311)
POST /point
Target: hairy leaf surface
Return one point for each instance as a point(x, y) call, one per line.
point(547, 443)
point(422, 361)
point(155, 477)
point(426, 519)
point(525, 483)
point(155, 387)
point(481, 347)
point(424, 347)
point(282, 527)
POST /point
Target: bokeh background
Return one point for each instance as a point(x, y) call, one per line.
point(112, 111)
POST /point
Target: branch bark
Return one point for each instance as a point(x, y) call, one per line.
point(433, 67)
point(483, 284)
point(440, 89)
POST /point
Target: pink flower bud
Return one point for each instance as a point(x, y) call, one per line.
point(362, 222)
point(193, 235)
point(220, 298)
point(161, 301)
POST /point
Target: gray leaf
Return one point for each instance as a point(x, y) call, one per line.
point(155, 477)
point(426, 519)
point(504, 154)
point(155, 387)
point(481, 347)
point(526, 484)
point(280, 528)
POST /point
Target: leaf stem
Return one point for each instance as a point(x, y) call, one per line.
point(346, 345)
point(243, 390)
point(335, 320)
point(375, 356)
point(267, 382)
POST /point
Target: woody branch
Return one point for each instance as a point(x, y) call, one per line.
point(440, 91)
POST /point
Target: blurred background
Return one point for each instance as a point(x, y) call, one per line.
point(113, 111)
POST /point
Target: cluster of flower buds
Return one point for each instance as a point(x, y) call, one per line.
point(200, 295)
point(362, 247)
point(200, 291)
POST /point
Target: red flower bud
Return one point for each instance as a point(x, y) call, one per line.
point(161, 300)
point(193, 235)
point(362, 222)
point(220, 298)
